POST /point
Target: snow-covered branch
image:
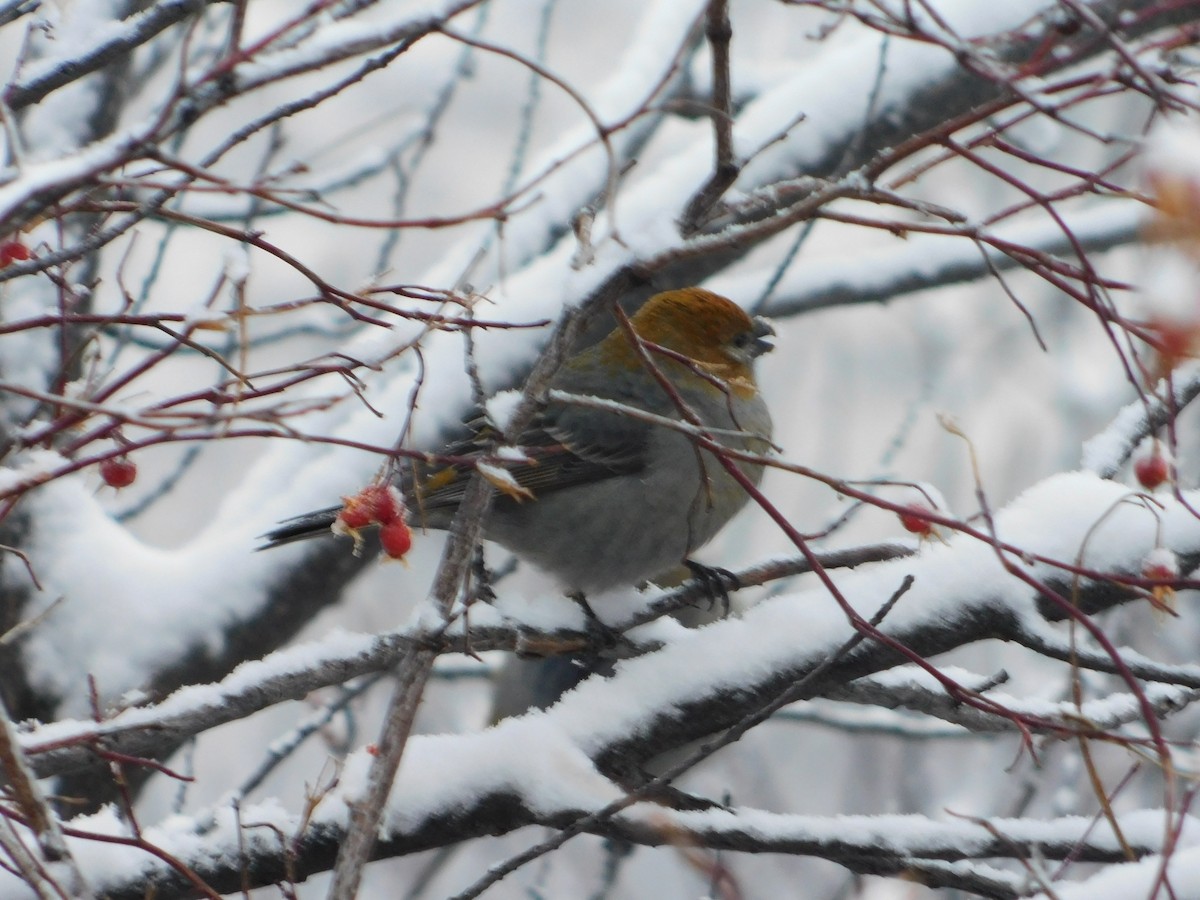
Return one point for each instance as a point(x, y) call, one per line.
point(237, 282)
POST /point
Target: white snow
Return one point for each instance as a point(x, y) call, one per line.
point(1137, 879)
point(128, 608)
point(501, 406)
point(1103, 452)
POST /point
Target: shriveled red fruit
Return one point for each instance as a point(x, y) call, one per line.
point(354, 514)
point(915, 518)
point(386, 503)
point(374, 504)
point(1162, 565)
point(118, 471)
point(1155, 572)
point(1151, 470)
point(12, 251)
point(395, 538)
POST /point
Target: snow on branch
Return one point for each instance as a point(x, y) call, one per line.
point(223, 231)
point(118, 39)
point(697, 684)
point(961, 594)
point(260, 844)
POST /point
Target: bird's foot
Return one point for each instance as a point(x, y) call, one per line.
point(717, 582)
point(601, 638)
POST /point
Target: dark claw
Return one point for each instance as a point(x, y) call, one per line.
point(717, 582)
point(600, 636)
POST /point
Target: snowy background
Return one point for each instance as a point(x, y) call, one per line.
point(945, 208)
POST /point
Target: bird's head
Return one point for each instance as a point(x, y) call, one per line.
point(720, 336)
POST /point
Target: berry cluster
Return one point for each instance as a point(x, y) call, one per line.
point(377, 504)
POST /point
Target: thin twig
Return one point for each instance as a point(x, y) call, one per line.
point(719, 32)
point(30, 800)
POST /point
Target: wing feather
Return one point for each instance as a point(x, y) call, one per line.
point(565, 446)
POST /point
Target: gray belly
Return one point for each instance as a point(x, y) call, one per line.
point(624, 529)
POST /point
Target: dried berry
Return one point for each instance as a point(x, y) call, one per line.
point(118, 471)
point(396, 538)
point(1152, 469)
point(12, 251)
point(915, 518)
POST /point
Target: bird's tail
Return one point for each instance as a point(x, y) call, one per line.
point(301, 528)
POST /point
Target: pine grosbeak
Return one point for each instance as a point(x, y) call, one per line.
point(616, 499)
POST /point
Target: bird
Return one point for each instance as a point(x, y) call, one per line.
point(602, 498)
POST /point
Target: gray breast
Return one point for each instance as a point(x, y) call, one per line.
point(627, 528)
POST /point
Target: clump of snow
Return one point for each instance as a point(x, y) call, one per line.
point(33, 466)
point(921, 495)
point(512, 454)
point(1144, 878)
point(236, 263)
point(448, 770)
point(503, 480)
point(501, 406)
point(126, 608)
point(1104, 452)
point(538, 611)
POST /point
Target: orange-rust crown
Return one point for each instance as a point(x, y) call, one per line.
point(695, 323)
point(692, 321)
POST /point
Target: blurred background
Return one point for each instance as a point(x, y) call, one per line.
point(881, 340)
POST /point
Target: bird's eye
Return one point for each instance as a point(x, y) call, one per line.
point(742, 339)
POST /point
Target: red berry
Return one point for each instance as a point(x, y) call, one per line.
point(375, 504)
point(386, 503)
point(118, 471)
point(1155, 572)
point(12, 251)
point(395, 538)
point(1151, 470)
point(915, 518)
point(1160, 564)
point(355, 514)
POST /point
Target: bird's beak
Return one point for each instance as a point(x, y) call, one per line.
point(760, 330)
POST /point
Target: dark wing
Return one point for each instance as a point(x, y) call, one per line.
point(566, 446)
